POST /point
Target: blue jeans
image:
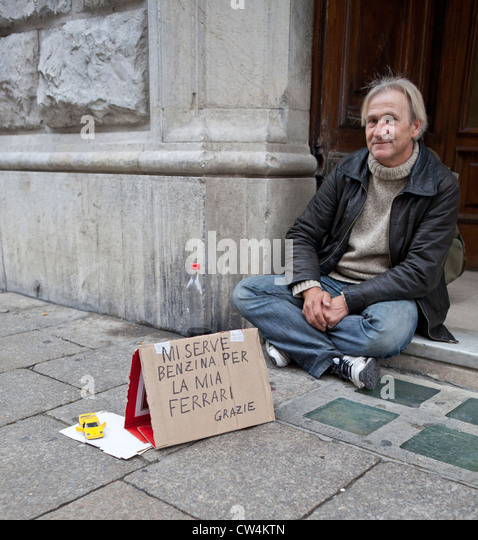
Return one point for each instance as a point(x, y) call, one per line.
point(381, 330)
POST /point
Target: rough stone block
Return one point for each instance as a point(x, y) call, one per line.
point(13, 12)
point(19, 81)
point(95, 67)
point(90, 5)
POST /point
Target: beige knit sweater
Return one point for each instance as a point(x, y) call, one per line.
point(367, 253)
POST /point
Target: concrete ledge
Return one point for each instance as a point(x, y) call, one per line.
point(453, 363)
point(166, 162)
point(464, 353)
point(434, 369)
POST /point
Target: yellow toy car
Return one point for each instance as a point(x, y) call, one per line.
point(90, 426)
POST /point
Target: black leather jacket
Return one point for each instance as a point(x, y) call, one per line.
point(422, 224)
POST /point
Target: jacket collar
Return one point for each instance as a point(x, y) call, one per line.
point(422, 179)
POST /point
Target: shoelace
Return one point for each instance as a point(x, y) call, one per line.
point(344, 368)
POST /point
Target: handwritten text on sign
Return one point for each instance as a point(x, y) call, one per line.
point(195, 375)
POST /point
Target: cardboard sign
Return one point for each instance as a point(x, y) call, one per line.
point(193, 388)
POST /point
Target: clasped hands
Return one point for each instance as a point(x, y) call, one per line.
point(321, 311)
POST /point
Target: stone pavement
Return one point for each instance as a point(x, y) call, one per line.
point(408, 450)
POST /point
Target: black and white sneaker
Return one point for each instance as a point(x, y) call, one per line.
point(362, 371)
point(278, 358)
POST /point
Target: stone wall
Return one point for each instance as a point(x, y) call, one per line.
point(54, 71)
point(128, 128)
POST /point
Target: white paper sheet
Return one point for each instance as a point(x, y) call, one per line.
point(117, 441)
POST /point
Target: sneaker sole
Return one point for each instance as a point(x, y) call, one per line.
point(370, 374)
point(278, 362)
point(277, 365)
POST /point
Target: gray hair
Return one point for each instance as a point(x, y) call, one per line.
point(413, 94)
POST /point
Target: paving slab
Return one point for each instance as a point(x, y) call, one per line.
point(15, 302)
point(351, 416)
point(385, 421)
point(404, 451)
point(466, 411)
point(25, 393)
point(104, 366)
point(113, 401)
point(94, 331)
point(30, 348)
point(448, 445)
point(41, 469)
point(393, 491)
point(93, 370)
point(117, 501)
point(24, 320)
point(269, 472)
point(290, 383)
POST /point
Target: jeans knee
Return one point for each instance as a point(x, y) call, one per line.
point(241, 294)
point(238, 295)
point(390, 335)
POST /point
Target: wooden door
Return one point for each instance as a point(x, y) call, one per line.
point(456, 114)
point(429, 41)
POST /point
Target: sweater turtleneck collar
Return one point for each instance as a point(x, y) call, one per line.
point(393, 173)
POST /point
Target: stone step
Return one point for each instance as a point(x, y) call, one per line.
point(464, 353)
point(454, 363)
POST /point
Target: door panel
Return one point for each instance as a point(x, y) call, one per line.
point(456, 115)
point(360, 39)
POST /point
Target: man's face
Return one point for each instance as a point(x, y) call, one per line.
point(388, 130)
